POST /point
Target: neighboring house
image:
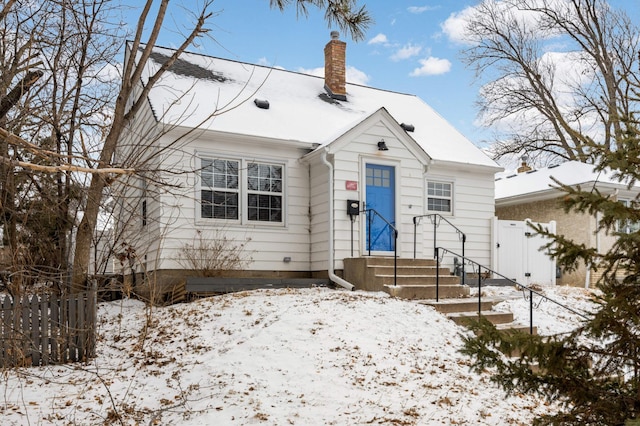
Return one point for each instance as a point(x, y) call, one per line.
point(270, 158)
point(531, 195)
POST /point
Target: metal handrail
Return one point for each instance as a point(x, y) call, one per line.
point(435, 220)
point(370, 213)
point(522, 287)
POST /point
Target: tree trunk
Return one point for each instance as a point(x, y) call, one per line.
point(86, 229)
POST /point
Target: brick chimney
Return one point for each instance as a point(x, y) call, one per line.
point(524, 167)
point(335, 67)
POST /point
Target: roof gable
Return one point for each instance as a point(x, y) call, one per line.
point(218, 94)
point(382, 116)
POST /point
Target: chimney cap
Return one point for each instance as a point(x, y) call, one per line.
point(335, 35)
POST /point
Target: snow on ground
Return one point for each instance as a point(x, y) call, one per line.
point(548, 317)
point(275, 357)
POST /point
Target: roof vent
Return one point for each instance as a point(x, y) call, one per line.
point(408, 127)
point(261, 103)
point(553, 166)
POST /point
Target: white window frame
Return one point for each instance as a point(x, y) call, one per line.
point(243, 190)
point(450, 197)
point(213, 188)
point(144, 204)
point(625, 226)
point(270, 180)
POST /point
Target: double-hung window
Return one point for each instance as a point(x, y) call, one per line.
point(241, 190)
point(219, 190)
point(264, 192)
point(628, 226)
point(440, 197)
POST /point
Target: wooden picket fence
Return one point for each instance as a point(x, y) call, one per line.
point(47, 329)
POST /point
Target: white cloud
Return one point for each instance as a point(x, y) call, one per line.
point(354, 75)
point(567, 74)
point(431, 66)
point(378, 39)
point(266, 63)
point(455, 25)
point(420, 9)
point(318, 72)
point(406, 52)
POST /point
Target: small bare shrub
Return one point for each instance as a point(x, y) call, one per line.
point(211, 255)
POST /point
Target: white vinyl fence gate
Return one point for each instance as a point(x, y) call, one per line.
point(518, 255)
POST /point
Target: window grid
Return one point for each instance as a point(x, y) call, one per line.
point(378, 177)
point(221, 195)
point(264, 196)
point(439, 197)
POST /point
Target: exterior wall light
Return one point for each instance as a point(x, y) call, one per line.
point(382, 146)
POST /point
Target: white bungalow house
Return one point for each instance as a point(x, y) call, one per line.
point(272, 160)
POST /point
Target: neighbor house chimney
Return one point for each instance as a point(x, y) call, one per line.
point(335, 67)
point(524, 167)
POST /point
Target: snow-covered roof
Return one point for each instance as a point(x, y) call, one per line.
point(538, 182)
point(299, 108)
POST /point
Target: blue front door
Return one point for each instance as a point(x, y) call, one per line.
point(380, 196)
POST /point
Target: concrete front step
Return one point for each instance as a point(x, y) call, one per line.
point(413, 292)
point(428, 280)
point(374, 273)
point(389, 261)
point(494, 317)
point(409, 270)
point(516, 327)
point(468, 304)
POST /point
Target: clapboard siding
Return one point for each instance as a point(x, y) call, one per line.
point(319, 214)
point(305, 235)
point(267, 244)
point(473, 213)
point(349, 164)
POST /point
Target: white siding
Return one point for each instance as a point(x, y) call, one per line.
point(473, 201)
point(473, 212)
point(349, 165)
point(267, 244)
point(137, 149)
point(319, 209)
point(304, 237)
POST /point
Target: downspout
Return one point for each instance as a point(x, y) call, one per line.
point(587, 279)
point(332, 276)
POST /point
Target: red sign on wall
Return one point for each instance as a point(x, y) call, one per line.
point(351, 185)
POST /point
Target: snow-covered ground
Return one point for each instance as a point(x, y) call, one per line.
point(279, 357)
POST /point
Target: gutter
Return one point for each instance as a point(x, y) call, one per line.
point(332, 276)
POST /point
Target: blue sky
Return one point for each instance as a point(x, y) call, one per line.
point(410, 47)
